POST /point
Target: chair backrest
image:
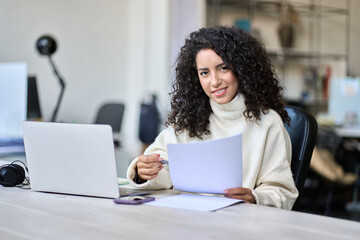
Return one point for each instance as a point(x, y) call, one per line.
point(112, 114)
point(303, 131)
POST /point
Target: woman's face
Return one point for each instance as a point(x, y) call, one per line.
point(217, 80)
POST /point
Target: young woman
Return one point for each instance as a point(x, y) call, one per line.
point(225, 85)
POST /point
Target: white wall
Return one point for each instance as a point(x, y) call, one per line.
point(148, 65)
point(107, 50)
point(186, 17)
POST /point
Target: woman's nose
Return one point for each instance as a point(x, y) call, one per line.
point(215, 80)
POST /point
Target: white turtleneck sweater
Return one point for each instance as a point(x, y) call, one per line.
point(266, 153)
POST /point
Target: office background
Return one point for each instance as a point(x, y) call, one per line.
point(120, 50)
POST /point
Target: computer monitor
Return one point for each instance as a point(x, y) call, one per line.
point(13, 98)
point(33, 103)
point(344, 101)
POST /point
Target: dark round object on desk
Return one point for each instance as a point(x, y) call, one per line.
point(46, 45)
point(11, 175)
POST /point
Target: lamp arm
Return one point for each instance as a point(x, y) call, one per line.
point(62, 84)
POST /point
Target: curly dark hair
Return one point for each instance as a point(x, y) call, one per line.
point(245, 57)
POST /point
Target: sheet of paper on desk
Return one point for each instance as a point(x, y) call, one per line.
point(207, 166)
point(195, 202)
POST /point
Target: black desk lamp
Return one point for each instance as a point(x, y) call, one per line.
point(46, 45)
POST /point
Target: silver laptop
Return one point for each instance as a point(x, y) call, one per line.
point(71, 158)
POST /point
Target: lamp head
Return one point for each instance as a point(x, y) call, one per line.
point(46, 45)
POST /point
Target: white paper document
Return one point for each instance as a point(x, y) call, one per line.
point(194, 202)
point(207, 166)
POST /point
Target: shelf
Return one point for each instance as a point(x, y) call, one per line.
point(273, 7)
point(310, 102)
point(289, 53)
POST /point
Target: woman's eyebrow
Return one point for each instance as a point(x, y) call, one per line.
point(200, 69)
point(217, 66)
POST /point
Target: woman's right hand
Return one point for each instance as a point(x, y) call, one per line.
point(149, 166)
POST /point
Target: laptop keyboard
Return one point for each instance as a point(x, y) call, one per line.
point(124, 192)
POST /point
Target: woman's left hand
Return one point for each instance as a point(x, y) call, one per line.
point(240, 193)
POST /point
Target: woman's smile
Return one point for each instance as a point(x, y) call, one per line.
point(219, 92)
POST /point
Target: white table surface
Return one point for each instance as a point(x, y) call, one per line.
point(25, 214)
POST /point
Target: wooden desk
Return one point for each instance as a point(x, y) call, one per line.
point(33, 215)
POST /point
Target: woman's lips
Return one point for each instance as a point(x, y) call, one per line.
point(220, 91)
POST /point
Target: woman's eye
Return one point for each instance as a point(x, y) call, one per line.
point(203, 73)
point(224, 68)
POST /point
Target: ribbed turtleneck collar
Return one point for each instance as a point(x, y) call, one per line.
point(229, 111)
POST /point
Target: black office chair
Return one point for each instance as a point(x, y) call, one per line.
point(303, 131)
point(112, 114)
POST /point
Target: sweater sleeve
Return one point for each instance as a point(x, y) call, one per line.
point(163, 180)
point(275, 185)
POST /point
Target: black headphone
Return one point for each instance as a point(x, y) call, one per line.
point(12, 174)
